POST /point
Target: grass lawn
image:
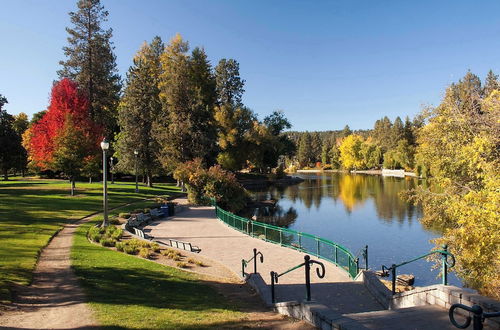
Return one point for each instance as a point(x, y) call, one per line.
point(129, 292)
point(31, 211)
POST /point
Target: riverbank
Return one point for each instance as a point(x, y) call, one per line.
point(260, 181)
point(384, 172)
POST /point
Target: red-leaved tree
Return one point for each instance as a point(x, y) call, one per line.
point(66, 136)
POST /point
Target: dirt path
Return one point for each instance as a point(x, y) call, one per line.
point(55, 299)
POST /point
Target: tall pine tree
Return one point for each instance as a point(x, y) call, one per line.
point(138, 110)
point(91, 62)
point(185, 130)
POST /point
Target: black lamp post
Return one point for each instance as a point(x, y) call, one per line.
point(112, 170)
point(136, 182)
point(105, 148)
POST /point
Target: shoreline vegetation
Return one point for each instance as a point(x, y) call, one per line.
point(383, 172)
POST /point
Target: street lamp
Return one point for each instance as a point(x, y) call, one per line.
point(136, 182)
point(112, 170)
point(105, 148)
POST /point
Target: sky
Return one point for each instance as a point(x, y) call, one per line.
point(326, 64)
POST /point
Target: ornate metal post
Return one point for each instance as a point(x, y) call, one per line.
point(445, 265)
point(307, 267)
point(273, 275)
point(393, 271)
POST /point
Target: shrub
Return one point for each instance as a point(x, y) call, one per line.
point(182, 264)
point(199, 263)
point(114, 221)
point(124, 215)
point(120, 246)
point(129, 249)
point(117, 234)
point(191, 260)
point(145, 253)
point(176, 257)
point(155, 247)
point(147, 210)
point(165, 252)
point(108, 242)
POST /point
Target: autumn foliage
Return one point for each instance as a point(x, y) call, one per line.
point(68, 106)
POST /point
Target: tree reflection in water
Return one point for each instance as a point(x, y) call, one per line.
point(352, 191)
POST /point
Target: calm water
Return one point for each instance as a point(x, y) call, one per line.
point(357, 210)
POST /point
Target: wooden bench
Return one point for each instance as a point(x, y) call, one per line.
point(156, 213)
point(141, 234)
point(181, 245)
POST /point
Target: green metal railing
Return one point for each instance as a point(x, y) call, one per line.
point(307, 266)
point(445, 264)
point(314, 245)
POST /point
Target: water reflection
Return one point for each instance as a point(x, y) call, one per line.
point(352, 191)
point(354, 210)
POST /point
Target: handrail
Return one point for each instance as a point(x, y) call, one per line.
point(307, 263)
point(478, 317)
point(445, 264)
point(364, 253)
point(303, 242)
point(244, 262)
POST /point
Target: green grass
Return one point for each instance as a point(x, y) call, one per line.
point(129, 292)
point(31, 211)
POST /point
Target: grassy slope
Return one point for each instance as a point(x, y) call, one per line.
point(129, 292)
point(32, 211)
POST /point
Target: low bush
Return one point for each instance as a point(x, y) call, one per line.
point(120, 245)
point(182, 264)
point(147, 210)
point(145, 253)
point(108, 242)
point(155, 247)
point(129, 249)
point(114, 221)
point(176, 257)
point(124, 215)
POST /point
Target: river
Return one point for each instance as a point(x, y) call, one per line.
point(357, 210)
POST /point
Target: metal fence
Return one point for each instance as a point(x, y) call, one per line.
point(311, 244)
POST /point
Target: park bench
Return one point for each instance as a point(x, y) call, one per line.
point(141, 234)
point(156, 213)
point(143, 218)
point(181, 245)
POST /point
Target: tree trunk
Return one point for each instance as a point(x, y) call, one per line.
point(90, 179)
point(5, 174)
point(178, 184)
point(72, 187)
point(149, 180)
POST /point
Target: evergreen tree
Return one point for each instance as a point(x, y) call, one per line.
point(316, 146)
point(138, 110)
point(10, 140)
point(346, 132)
point(20, 125)
point(304, 153)
point(398, 131)
point(229, 83)
point(491, 83)
point(91, 62)
point(186, 128)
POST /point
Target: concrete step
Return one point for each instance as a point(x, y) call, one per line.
point(413, 318)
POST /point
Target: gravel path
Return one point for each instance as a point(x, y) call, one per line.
point(54, 300)
point(199, 226)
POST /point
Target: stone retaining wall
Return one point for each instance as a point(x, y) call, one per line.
point(441, 295)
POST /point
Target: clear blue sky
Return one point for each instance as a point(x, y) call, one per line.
point(325, 63)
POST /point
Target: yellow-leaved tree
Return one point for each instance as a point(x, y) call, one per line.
point(460, 149)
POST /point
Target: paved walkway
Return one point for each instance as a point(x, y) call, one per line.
point(199, 226)
point(54, 300)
